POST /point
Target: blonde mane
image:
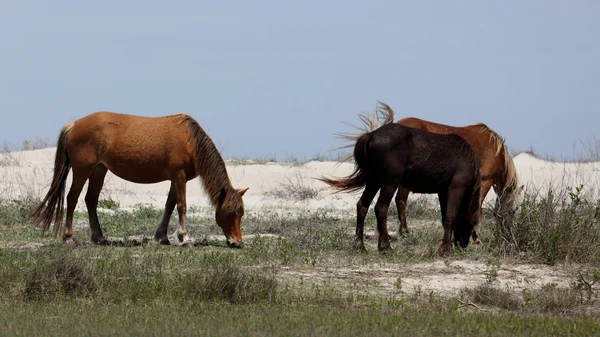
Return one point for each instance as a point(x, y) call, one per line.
point(511, 181)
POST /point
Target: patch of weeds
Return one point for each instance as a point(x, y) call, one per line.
point(554, 227)
point(109, 203)
point(491, 270)
point(294, 188)
point(586, 285)
point(421, 207)
point(251, 161)
point(58, 275)
point(16, 212)
point(550, 299)
point(141, 220)
point(37, 144)
point(488, 295)
point(228, 282)
point(7, 158)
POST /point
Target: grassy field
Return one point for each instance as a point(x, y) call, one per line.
point(303, 278)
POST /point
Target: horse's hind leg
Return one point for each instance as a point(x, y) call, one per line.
point(452, 207)
point(161, 232)
point(79, 178)
point(180, 182)
point(401, 197)
point(362, 208)
point(381, 212)
point(91, 201)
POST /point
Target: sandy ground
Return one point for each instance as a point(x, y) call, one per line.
point(30, 172)
point(442, 278)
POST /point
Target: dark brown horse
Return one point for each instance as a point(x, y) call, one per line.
point(495, 164)
point(394, 156)
point(141, 150)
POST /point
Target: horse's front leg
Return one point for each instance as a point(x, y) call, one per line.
point(180, 182)
point(452, 207)
point(161, 232)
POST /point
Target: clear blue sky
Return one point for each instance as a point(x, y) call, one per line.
point(277, 77)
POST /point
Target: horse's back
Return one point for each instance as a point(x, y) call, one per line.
point(485, 142)
point(423, 161)
point(123, 126)
point(136, 148)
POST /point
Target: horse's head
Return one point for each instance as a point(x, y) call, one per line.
point(229, 216)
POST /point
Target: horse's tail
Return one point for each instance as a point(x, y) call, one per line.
point(370, 122)
point(358, 179)
point(51, 206)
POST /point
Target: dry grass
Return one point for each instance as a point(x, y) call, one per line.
point(294, 188)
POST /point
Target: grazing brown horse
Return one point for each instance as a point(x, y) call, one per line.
point(141, 150)
point(495, 164)
point(395, 156)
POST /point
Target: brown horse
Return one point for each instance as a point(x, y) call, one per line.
point(141, 150)
point(495, 163)
point(394, 156)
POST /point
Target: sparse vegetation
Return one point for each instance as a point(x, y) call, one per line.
point(105, 291)
point(492, 296)
point(306, 279)
point(294, 188)
point(109, 203)
point(555, 227)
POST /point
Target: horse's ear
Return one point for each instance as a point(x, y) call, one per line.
point(242, 192)
point(222, 196)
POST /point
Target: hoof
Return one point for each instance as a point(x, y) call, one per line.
point(360, 246)
point(475, 241)
point(384, 245)
point(187, 245)
point(444, 250)
point(101, 241)
point(69, 242)
point(162, 240)
point(384, 248)
point(403, 232)
point(234, 244)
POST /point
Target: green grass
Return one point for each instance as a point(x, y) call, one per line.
point(162, 291)
point(173, 318)
point(49, 289)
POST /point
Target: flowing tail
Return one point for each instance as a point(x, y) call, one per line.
point(51, 207)
point(370, 122)
point(358, 179)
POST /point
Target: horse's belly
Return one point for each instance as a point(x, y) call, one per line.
point(139, 175)
point(418, 182)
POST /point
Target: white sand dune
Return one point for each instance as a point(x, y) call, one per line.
point(30, 173)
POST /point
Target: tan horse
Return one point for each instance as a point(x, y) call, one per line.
point(495, 164)
point(141, 150)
